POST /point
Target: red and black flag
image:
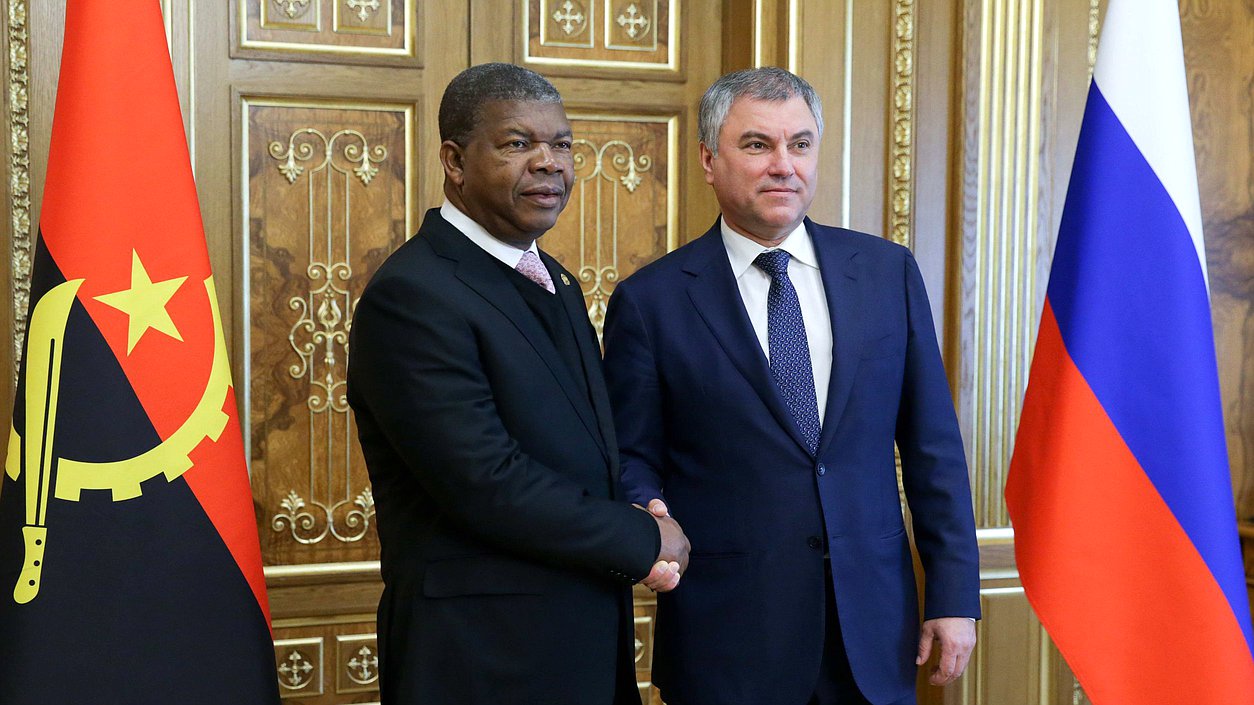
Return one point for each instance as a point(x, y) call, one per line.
point(130, 569)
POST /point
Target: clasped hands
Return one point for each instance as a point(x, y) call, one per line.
point(673, 558)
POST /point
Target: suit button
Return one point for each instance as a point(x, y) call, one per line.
point(821, 470)
point(814, 542)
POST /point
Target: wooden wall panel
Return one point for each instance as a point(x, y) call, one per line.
point(327, 202)
point(621, 211)
point(618, 34)
point(333, 30)
point(321, 663)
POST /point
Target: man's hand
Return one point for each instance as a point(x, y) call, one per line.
point(673, 558)
point(663, 578)
point(957, 637)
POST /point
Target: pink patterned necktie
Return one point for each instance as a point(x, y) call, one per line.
point(531, 267)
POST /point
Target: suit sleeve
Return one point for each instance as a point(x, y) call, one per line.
point(635, 394)
point(415, 361)
point(934, 468)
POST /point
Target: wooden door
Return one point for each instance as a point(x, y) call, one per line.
point(950, 125)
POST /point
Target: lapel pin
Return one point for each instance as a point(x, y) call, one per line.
point(565, 280)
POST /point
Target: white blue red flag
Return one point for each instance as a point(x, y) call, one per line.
point(1119, 489)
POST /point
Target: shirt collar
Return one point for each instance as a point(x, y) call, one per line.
point(741, 251)
point(504, 252)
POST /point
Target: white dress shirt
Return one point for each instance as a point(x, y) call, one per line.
point(503, 251)
point(803, 271)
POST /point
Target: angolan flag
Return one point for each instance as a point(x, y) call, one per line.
point(1119, 490)
point(130, 570)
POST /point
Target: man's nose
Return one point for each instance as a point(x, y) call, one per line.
point(545, 160)
point(781, 163)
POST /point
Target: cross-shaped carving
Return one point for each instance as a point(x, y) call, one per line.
point(292, 7)
point(635, 22)
point(362, 666)
point(297, 672)
point(567, 17)
point(363, 8)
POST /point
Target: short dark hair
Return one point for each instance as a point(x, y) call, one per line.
point(470, 90)
point(764, 83)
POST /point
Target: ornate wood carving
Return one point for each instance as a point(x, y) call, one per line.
point(621, 211)
point(628, 34)
point(329, 28)
point(326, 203)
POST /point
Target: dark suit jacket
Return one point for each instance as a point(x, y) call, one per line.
point(507, 561)
point(701, 422)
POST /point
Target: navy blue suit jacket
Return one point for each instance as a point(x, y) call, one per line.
point(701, 424)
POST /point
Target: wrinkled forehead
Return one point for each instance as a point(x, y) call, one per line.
point(790, 116)
point(527, 117)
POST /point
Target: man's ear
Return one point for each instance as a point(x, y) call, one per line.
point(453, 158)
point(707, 162)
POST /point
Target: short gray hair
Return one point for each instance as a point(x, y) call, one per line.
point(765, 83)
point(477, 86)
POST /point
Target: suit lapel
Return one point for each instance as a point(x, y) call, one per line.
point(717, 299)
point(839, 268)
point(476, 270)
point(589, 353)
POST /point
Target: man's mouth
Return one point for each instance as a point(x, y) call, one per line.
point(546, 196)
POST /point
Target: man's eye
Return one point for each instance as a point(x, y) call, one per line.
point(518, 144)
point(563, 145)
point(802, 145)
point(756, 145)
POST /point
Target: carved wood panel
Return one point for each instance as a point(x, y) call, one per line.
point(326, 203)
point(621, 213)
point(320, 663)
point(378, 29)
point(630, 34)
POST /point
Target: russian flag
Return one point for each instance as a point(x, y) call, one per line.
point(1119, 489)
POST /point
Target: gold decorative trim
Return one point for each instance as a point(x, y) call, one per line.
point(363, 11)
point(19, 172)
point(289, 11)
point(353, 569)
point(407, 50)
point(357, 659)
point(1095, 25)
point(1007, 144)
point(846, 128)
point(573, 18)
point(363, 8)
point(632, 21)
point(319, 337)
point(901, 118)
point(364, 618)
point(626, 167)
point(299, 665)
point(794, 42)
point(672, 47)
point(246, 104)
point(626, 170)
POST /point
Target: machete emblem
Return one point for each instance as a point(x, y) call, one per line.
point(66, 478)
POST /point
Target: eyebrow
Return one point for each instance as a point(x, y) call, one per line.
point(516, 132)
point(752, 134)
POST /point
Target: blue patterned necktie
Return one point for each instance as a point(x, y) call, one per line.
point(789, 349)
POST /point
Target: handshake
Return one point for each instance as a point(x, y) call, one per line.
point(672, 560)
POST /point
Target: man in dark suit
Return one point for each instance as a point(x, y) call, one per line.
point(475, 379)
point(760, 376)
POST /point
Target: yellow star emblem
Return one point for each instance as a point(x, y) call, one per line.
point(144, 303)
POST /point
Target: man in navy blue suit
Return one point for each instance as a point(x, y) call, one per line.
point(760, 376)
